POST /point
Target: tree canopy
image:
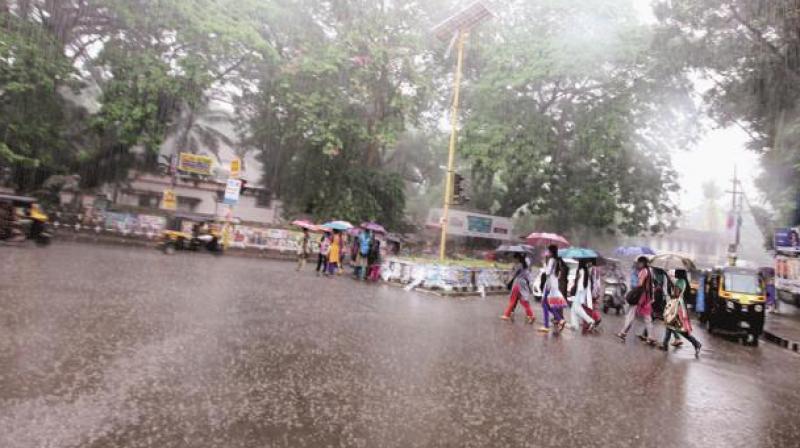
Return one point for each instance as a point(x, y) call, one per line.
point(575, 130)
point(343, 103)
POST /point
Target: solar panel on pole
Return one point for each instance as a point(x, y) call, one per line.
point(464, 20)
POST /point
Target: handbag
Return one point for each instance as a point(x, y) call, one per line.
point(633, 296)
point(671, 312)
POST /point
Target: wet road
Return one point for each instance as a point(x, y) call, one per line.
point(112, 347)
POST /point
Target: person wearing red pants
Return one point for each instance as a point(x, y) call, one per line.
point(520, 286)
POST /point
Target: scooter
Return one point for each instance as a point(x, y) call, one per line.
point(614, 295)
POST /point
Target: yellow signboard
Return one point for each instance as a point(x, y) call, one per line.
point(236, 168)
point(169, 201)
point(193, 163)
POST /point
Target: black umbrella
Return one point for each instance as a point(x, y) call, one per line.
point(516, 249)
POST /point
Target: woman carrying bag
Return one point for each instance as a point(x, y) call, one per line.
point(676, 316)
point(520, 286)
point(640, 300)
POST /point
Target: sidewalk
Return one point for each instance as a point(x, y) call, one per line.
point(783, 328)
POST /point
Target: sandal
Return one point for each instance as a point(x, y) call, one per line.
point(622, 336)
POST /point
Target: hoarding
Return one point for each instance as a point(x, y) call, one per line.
point(475, 225)
point(195, 164)
point(787, 240)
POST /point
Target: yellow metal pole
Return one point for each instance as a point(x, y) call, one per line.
point(448, 190)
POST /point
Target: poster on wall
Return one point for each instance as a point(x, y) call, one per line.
point(236, 168)
point(232, 190)
point(787, 274)
point(169, 201)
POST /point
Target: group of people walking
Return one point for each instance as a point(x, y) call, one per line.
point(554, 285)
point(363, 250)
point(586, 294)
point(676, 316)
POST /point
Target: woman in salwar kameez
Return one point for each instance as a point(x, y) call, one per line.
point(553, 301)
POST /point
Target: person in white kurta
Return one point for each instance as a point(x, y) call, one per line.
point(583, 296)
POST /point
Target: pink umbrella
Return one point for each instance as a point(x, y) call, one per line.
point(373, 226)
point(303, 224)
point(546, 239)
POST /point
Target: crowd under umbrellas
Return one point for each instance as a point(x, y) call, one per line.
point(340, 243)
point(571, 284)
point(571, 288)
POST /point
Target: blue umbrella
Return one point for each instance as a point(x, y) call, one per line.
point(633, 251)
point(577, 253)
point(338, 225)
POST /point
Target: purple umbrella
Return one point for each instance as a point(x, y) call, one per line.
point(373, 226)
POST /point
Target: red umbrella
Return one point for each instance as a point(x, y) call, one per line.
point(546, 239)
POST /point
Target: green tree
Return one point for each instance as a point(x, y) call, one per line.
point(327, 119)
point(32, 114)
point(571, 128)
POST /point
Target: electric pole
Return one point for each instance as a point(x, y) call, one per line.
point(735, 214)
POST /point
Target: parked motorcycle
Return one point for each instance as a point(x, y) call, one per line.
point(614, 296)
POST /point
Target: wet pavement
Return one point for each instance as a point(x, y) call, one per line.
point(114, 347)
point(785, 323)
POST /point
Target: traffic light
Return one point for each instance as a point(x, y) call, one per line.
point(459, 189)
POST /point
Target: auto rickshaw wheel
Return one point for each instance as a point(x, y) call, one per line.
point(169, 248)
point(42, 241)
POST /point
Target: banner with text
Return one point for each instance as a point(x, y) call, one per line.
point(195, 164)
point(476, 225)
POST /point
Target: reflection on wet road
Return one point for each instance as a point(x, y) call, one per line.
point(106, 347)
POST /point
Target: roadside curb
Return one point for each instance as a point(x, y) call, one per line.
point(131, 242)
point(139, 243)
point(788, 344)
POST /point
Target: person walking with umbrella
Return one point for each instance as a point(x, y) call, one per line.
point(521, 289)
point(584, 283)
point(553, 301)
point(303, 250)
point(335, 254)
point(643, 305)
point(676, 316)
point(364, 242)
point(324, 250)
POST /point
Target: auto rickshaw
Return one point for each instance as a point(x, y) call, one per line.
point(192, 231)
point(22, 218)
point(735, 302)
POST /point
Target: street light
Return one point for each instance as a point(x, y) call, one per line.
point(458, 25)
